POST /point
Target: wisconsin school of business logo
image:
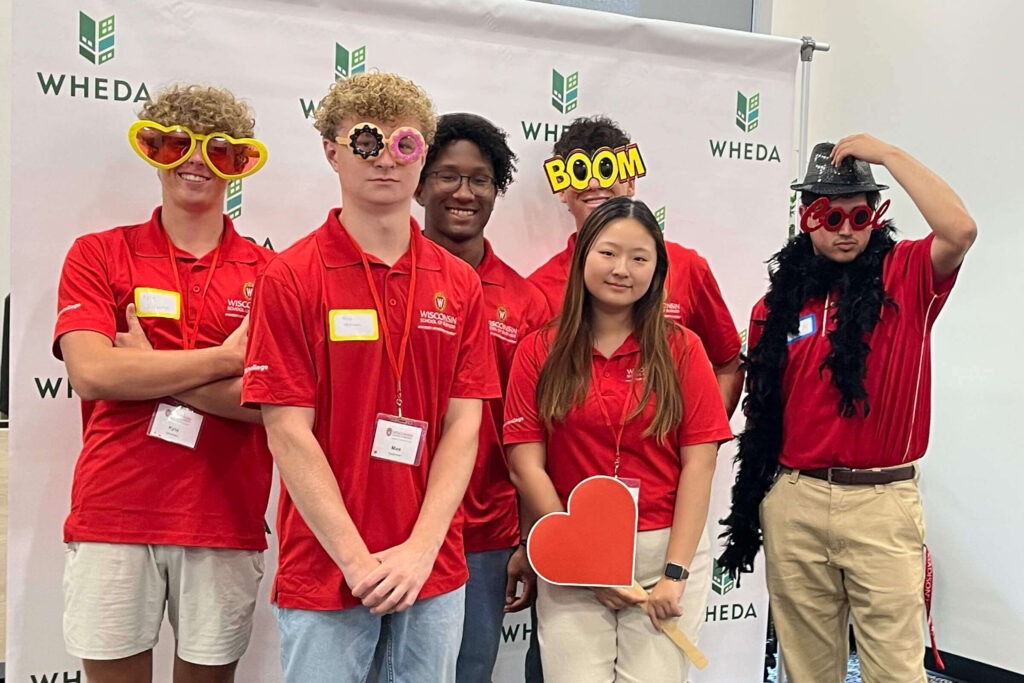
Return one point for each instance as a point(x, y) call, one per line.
point(96, 38)
point(440, 301)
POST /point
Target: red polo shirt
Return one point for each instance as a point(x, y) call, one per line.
point(133, 488)
point(692, 297)
point(898, 378)
point(514, 308)
point(293, 360)
point(584, 444)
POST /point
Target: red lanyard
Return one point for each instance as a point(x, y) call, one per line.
point(617, 435)
point(397, 362)
point(188, 339)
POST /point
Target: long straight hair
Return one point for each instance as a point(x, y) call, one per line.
point(565, 377)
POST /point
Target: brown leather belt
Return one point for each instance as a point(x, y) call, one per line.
point(851, 477)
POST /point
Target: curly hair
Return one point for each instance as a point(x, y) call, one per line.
point(491, 140)
point(203, 109)
point(382, 97)
point(590, 133)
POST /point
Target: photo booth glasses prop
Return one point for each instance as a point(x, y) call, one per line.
point(606, 165)
point(406, 144)
point(450, 182)
point(171, 146)
point(832, 217)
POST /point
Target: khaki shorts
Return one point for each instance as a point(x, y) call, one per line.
point(114, 595)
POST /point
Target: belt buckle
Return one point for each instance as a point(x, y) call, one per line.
point(831, 470)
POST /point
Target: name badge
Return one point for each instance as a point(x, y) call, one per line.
point(808, 326)
point(157, 303)
point(399, 439)
point(353, 324)
point(176, 424)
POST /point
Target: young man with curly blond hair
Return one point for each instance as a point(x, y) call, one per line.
point(172, 481)
point(370, 358)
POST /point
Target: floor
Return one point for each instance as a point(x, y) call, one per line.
point(853, 674)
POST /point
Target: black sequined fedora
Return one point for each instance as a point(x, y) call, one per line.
point(851, 177)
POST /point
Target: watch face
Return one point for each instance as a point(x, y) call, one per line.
point(673, 571)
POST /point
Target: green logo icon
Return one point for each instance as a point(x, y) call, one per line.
point(348, 63)
point(721, 582)
point(233, 199)
point(659, 215)
point(565, 91)
point(747, 110)
point(96, 38)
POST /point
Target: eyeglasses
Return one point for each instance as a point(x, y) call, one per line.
point(832, 217)
point(450, 181)
point(171, 146)
point(406, 144)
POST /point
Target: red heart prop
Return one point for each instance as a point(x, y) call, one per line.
point(593, 543)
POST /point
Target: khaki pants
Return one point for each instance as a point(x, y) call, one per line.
point(582, 641)
point(835, 553)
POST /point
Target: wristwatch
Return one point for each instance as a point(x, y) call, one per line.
point(676, 572)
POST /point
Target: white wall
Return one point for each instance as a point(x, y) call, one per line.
point(5, 147)
point(943, 81)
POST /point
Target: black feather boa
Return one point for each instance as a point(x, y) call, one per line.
point(796, 274)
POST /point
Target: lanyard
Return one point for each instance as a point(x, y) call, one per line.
point(397, 362)
point(617, 435)
point(188, 339)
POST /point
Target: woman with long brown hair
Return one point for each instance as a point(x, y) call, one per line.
point(612, 388)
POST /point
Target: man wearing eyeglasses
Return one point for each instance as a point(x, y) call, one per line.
point(467, 167)
point(370, 358)
point(693, 298)
point(172, 481)
point(838, 410)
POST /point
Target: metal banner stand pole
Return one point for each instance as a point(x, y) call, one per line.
point(807, 49)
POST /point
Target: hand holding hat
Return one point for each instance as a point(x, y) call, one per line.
point(861, 146)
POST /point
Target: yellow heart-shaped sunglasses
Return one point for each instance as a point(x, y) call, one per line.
point(171, 146)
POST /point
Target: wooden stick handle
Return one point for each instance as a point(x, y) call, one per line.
point(675, 634)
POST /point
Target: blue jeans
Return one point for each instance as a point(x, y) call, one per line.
point(485, 612)
point(345, 646)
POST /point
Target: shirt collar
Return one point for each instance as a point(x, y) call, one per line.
point(490, 270)
point(152, 242)
point(338, 251)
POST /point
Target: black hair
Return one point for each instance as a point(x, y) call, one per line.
point(590, 134)
point(491, 140)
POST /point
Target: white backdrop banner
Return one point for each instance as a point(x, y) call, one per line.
point(711, 110)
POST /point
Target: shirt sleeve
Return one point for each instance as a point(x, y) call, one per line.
point(85, 297)
point(279, 364)
point(522, 422)
point(476, 373)
point(912, 274)
point(711, 319)
point(756, 327)
point(704, 417)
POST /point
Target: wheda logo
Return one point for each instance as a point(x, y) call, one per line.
point(565, 91)
point(565, 97)
point(659, 215)
point(95, 45)
point(747, 109)
point(748, 118)
point(96, 39)
point(233, 199)
point(722, 583)
point(346, 63)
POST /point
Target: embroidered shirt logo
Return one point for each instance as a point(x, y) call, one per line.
point(440, 301)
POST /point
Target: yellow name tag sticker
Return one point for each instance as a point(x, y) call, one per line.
point(353, 324)
point(157, 303)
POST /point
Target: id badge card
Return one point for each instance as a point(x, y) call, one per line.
point(399, 439)
point(634, 488)
point(176, 423)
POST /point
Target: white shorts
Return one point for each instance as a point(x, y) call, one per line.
point(114, 596)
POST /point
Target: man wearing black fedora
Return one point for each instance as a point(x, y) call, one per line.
point(838, 410)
